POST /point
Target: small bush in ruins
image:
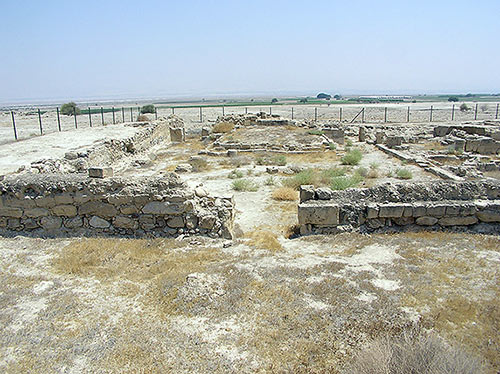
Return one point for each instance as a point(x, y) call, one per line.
point(264, 239)
point(342, 183)
point(315, 132)
point(404, 173)
point(150, 108)
point(271, 181)
point(353, 157)
point(303, 178)
point(285, 194)
point(244, 185)
point(413, 353)
point(199, 164)
point(223, 127)
point(235, 174)
point(464, 108)
point(279, 160)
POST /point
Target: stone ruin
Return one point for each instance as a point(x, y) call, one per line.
point(471, 205)
point(74, 205)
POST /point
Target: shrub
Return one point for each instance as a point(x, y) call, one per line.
point(235, 174)
point(150, 108)
point(199, 164)
point(453, 99)
point(352, 157)
point(332, 146)
point(69, 109)
point(280, 160)
point(270, 181)
point(264, 239)
point(303, 178)
point(274, 100)
point(348, 143)
point(341, 183)
point(323, 96)
point(362, 172)
point(327, 175)
point(404, 173)
point(285, 194)
point(223, 127)
point(413, 353)
point(464, 108)
point(244, 185)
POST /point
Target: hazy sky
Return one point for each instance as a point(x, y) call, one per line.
point(77, 49)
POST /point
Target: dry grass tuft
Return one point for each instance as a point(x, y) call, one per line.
point(264, 239)
point(285, 194)
point(223, 127)
point(413, 353)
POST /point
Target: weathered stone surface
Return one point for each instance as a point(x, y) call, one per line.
point(318, 214)
point(426, 221)
point(372, 211)
point(307, 193)
point(51, 223)
point(72, 223)
point(98, 208)
point(323, 193)
point(64, 210)
point(125, 222)
point(207, 221)
point(36, 212)
point(458, 221)
point(120, 199)
point(11, 212)
point(375, 223)
point(162, 208)
point(99, 223)
point(177, 134)
point(183, 168)
point(391, 210)
point(45, 201)
point(175, 222)
point(436, 210)
point(100, 172)
point(129, 209)
point(403, 221)
point(489, 215)
point(362, 134)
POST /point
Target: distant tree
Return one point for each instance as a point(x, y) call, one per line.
point(303, 100)
point(274, 100)
point(69, 109)
point(150, 108)
point(469, 95)
point(337, 97)
point(464, 107)
point(453, 99)
point(323, 95)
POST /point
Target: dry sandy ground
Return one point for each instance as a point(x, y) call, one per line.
point(192, 306)
point(55, 145)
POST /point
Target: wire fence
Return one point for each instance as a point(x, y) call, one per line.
point(23, 124)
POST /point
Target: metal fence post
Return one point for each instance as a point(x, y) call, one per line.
point(40, 121)
point(201, 115)
point(452, 112)
point(292, 112)
point(14, 124)
point(475, 112)
point(408, 115)
point(246, 110)
point(340, 114)
point(156, 113)
point(113, 108)
point(385, 114)
point(123, 115)
point(58, 119)
point(496, 113)
point(223, 110)
point(74, 115)
point(102, 116)
point(173, 111)
point(363, 116)
point(315, 114)
point(430, 119)
point(90, 118)
point(131, 120)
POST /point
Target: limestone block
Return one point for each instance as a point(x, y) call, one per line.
point(175, 222)
point(36, 212)
point(191, 221)
point(98, 208)
point(362, 134)
point(458, 221)
point(99, 223)
point(324, 193)
point(306, 193)
point(436, 210)
point(100, 172)
point(45, 201)
point(73, 223)
point(125, 222)
point(489, 215)
point(391, 210)
point(129, 209)
point(207, 221)
point(14, 223)
point(64, 210)
point(375, 223)
point(371, 211)
point(29, 224)
point(177, 134)
point(51, 223)
point(120, 199)
point(11, 212)
point(426, 221)
point(394, 141)
point(63, 199)
point(163, 208)
point(318, 214)
point(403, 221)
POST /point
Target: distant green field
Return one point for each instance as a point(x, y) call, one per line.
point(104, 110)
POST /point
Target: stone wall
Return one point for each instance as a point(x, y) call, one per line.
point(75, 205)
point(471, 204)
